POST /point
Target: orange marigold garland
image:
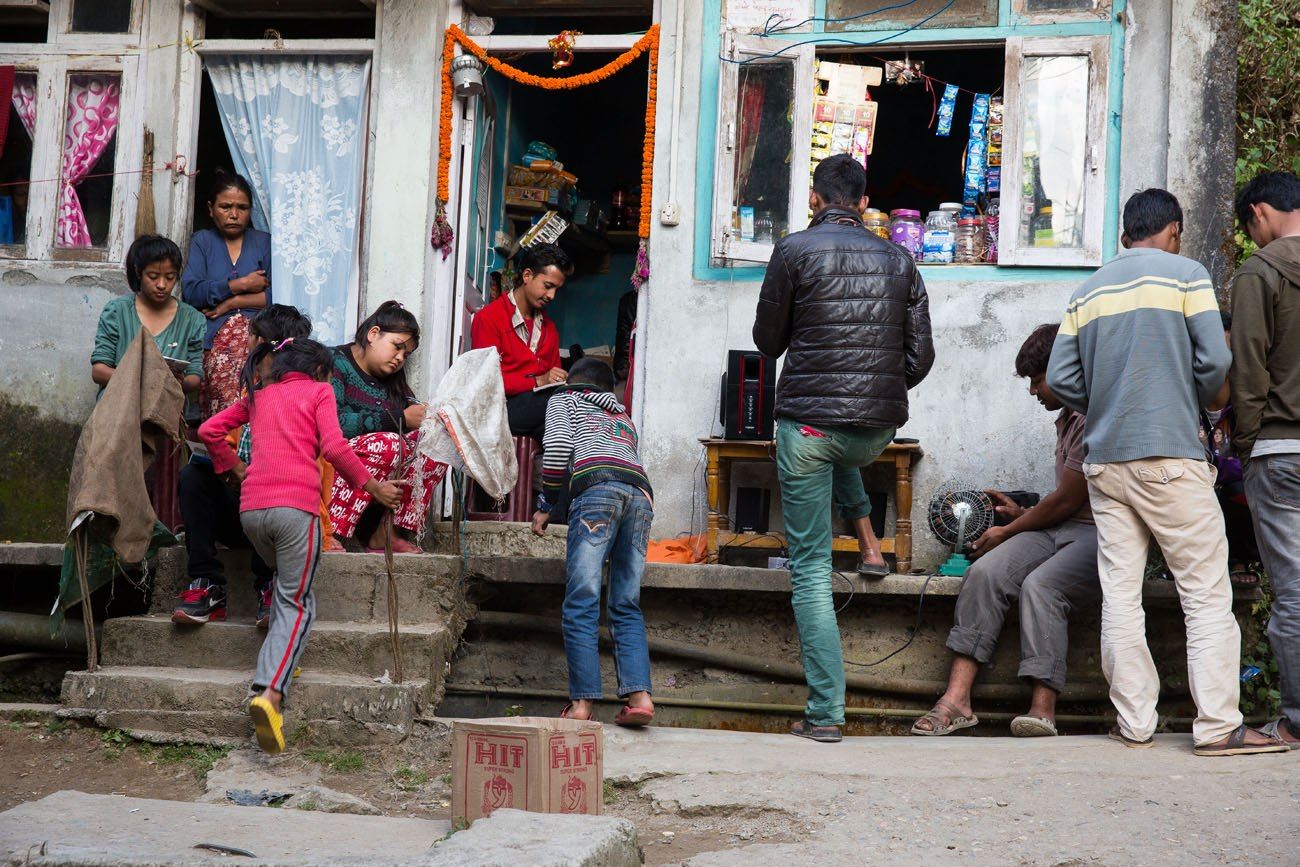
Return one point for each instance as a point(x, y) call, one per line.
point(649, 42)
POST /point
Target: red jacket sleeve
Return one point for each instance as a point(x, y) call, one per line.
point(486, 331)
point(551, 340)
point(213, 433)
point(333, 447)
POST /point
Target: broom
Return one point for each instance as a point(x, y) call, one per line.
point(146, 222)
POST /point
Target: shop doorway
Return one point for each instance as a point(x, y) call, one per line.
point(596, 134)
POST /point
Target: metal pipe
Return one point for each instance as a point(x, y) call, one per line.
point(793, 672)
point(792, 709)
point(33, 630)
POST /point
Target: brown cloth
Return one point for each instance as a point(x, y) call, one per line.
point(138, 411)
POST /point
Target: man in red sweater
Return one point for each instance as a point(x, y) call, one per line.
point(529, 343)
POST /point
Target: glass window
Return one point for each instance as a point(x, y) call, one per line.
point(1054, 151)
point(88, 160)
point(760, 204)
point(101, 16)
point(1032, 6)
point(875, 15)
point(16, 161)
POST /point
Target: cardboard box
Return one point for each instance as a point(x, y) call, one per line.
point(526, 763)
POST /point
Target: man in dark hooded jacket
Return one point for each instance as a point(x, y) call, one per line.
point(1265, 381)
point(849, 312)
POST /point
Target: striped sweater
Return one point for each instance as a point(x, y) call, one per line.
point(589, 439)
point(1140, 351)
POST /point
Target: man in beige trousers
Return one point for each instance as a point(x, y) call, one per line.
point(1140, 351)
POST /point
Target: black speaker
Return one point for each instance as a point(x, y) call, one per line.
point(1023, 499)
point(752, 508)
point(748, 396)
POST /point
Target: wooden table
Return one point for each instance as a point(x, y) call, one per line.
point(721, 454)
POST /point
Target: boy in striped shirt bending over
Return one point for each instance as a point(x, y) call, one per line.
point(591, 461)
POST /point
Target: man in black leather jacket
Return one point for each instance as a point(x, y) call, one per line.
point(850, 313)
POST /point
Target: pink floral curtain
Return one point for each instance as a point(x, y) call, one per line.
point(24, 100)
point(93, 102)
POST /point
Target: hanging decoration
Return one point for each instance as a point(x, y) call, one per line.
point(562, 45)
point(649, 43)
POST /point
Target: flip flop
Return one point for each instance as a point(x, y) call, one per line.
point(1274, 730)
point(874, 571)
point(634, 717)
point(567, 713)
point(269, 725)
point(1116, 735)
point(956, 721)
point(1033, 727)
point(1236, 745)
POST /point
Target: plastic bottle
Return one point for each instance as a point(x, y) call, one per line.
point(907, 231)
point(940, 238)
point(992, 223)
point(970, 241)
point(877, 222)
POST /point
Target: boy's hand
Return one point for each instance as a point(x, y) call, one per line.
point(540, 520)
point(387, 494)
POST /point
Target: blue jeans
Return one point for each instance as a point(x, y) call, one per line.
point(608, 522)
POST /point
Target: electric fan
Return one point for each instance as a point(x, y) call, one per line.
point(958, 515)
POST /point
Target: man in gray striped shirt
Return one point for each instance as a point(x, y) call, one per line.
point(1139, 352)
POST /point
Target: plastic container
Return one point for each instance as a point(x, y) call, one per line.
point(1043, 233)
point(954, 207)
point(907, 231)
point(940, 238)
point(877, 222)
point(992, 224)
point(970, 246)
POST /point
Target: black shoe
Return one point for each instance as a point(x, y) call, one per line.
point(821, 734)
point(200, 602)
point(264, 607)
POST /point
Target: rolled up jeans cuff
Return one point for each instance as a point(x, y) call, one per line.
point(1047, 670)
point(973, 643)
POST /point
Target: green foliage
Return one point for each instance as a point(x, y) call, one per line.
point(408, 778)
point(515, 710)
point(115, 743)
point(340, 761)
point(1268, 113)
point(200, 758)
point(1261, 696)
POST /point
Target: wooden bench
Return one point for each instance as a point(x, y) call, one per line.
point(721, 454)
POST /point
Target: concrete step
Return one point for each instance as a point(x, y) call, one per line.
point(351, 587)
point(334, 647)
point(208, 704)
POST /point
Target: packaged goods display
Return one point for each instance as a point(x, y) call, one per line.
point(939, 239)
point(907, 231)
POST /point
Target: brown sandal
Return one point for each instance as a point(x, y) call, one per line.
point(567, 713)
point(1235, 744)
point(956, 721)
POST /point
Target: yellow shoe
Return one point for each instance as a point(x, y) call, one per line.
point(269, 724)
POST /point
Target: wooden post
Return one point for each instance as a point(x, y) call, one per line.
point(903, 498)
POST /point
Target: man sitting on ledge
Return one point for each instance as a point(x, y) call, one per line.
point(528, 341)
point(1046, 558)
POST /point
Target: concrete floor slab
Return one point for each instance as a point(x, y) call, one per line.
point(72, 828)
point(969, 800)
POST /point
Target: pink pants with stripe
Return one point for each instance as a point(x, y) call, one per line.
point(386, 456)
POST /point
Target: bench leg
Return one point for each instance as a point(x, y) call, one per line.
point(903, 524)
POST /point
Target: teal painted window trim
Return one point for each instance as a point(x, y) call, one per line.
point(706, 143)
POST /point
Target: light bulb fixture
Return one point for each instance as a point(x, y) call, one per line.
point(467, 76)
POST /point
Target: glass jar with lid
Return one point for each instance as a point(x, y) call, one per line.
point(907, 231)
point(877, 222)
point(970, 240)
point(940, 238)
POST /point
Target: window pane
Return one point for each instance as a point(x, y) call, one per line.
point(1034, 6)
point(1054, 146)
point(89, 160)
point(760, 208)
point(877, 15)
point(16, 161)
point(101, 16)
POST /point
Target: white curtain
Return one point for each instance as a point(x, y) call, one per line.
point(296, 127)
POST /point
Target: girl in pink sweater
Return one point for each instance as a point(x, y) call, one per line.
point(294, 421)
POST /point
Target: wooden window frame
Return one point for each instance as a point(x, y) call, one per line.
point(727, 247)
point(1011, 251)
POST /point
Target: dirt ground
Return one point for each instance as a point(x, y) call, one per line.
point(412, 780)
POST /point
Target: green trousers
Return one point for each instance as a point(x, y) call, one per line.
point(816, 465)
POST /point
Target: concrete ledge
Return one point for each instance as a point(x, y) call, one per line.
point(31, 554)
point(510, 837)
point(674, 576)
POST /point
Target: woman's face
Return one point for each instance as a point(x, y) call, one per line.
point(157, 280)
point(386, 351)
point(231, 211)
